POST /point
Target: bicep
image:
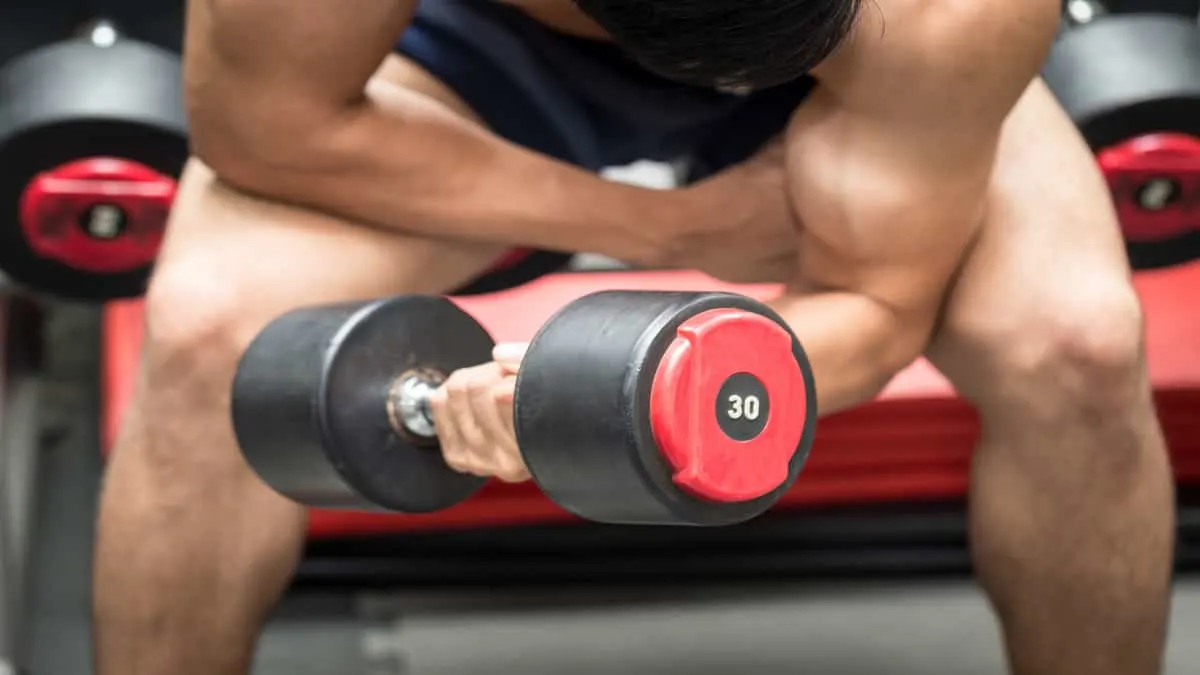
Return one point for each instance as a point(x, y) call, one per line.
point(260, 69)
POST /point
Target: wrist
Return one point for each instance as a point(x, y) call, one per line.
point(641, 226)
point(695, 210)
point(577, 210)
point(671, 218)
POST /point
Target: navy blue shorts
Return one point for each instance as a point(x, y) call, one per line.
point(584, 101)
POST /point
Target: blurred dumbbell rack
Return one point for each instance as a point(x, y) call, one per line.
point(890, 541)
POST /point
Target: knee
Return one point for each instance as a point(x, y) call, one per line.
point(195, 329)
point(1081, 350)
point(1091, 347)
point(177, 435)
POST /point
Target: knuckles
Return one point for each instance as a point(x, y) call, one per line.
point(470, 444)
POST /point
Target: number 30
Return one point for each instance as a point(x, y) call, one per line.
point(743, 407)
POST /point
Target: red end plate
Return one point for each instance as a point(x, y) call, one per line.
point(728, 405)
point(101, 215)
point(1155, 181)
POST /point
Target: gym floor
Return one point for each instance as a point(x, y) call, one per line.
point(928, 627)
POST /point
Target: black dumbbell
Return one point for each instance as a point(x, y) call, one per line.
point(92, 138)
point(1131, 82)
point(630, 407)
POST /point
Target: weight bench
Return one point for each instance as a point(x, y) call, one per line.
point(913, 443)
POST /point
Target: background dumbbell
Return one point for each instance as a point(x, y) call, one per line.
point(92, 137)
point(630, 407)
point(1181, 7)
point(1131, 82)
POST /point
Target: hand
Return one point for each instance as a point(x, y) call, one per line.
point(473, 414)
point(745, 230)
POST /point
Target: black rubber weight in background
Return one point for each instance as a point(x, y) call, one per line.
point(71, 101)
point(1185, 8)
point(582, 409)
point(1126, 76)
point(310, 403)
point(1122, 77)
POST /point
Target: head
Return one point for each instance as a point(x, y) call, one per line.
point(726, 43)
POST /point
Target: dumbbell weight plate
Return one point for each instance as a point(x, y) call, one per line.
point(91, 140)
point(1185, 8)
point(309, 407)
point(1132, 85)
point(634, 407)
point(1155, 181)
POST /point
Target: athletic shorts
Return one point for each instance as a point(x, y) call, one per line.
point(582, 101)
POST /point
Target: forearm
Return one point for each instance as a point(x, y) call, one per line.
point(855, 344)
point(414, 167)
point(273, 114)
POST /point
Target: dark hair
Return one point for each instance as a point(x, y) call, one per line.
point(731, 44)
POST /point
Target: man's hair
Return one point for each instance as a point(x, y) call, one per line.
point(726, 43)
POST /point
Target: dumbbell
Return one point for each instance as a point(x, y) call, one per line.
point(92, 138)
point(1181, 7)
point(629, 407)
point(1131, 82)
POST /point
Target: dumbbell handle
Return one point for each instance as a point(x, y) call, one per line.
point(408, 402)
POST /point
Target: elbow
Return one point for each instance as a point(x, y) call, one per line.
point(216, 131)
point(908, 341)
point(249, 150)
point(897, 342)
point(253, 167)
point(233, 165)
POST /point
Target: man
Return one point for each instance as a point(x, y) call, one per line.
point(896, 164)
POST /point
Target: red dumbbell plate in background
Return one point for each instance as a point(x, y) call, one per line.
point(92, 138)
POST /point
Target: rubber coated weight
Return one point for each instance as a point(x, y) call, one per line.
point(310, 403)
point(1185, 8)
point(1132, 85)
point(619, 423)
point(670, 408)
point(91, 140)
point(1155, 181)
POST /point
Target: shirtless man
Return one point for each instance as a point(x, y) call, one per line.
point(896, 164)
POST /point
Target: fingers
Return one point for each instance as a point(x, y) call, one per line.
point(504, 398)
point(472, 412)
point(508, 356)
point(493, 411)
point(456, 446)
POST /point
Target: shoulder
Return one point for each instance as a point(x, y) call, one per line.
point(938, 53)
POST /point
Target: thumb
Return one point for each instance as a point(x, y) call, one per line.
point(508, 355)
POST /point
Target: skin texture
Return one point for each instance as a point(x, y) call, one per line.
point(907, 209)
point(308, 133)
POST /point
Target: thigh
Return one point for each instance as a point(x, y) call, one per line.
point(1048, 277)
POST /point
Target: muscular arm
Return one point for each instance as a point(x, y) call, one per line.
point(279, 105)
point(889, 167)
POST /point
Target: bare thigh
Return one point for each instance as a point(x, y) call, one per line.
point(1070, 502)
point(1045, 295)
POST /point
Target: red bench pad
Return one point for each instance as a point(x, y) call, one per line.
point(913, 442)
